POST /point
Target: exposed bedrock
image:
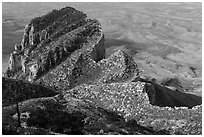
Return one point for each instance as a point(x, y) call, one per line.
point(59, 82)
point(51, 39)
point(135, 101)
point(80, 68)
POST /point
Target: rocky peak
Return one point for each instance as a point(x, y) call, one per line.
point(63, 84)
point(81, 68)
point(119, 67)
point(50, 39)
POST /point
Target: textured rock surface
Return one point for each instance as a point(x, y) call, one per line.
point(82, 69)
point(51, 39)
point(132, 102)
point(120, 97)
point(119, 67)
point(74, 90)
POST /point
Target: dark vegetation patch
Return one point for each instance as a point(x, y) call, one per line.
point(14, 91)
point(76, 117)
point(56, 119)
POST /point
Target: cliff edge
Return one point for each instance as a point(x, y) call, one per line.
point(59, 82)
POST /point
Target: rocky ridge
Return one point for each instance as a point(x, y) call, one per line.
point(82, 69)
point(64, 85)
point(50, 39)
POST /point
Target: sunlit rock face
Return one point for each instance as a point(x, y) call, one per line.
point(82, 69)
point(14, 61)
point(51, 39)
point(59, 82)
point(135, 100)
point(119, 67)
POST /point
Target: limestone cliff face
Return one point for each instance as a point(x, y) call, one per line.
point(15, 61)
point(51, 39)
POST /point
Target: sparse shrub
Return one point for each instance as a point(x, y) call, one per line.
point(56, 54)
point(50, 59)
point(55, 119)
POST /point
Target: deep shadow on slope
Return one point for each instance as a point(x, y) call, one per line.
point(17, 90)
point(71, 116)
point(167, 97)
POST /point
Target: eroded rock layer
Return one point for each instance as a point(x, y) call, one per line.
point(59, 82)
point(80, 68)
point(51, 39)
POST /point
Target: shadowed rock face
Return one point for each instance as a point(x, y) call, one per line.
point(172, 98)
point(69, 115)
point(63, 53)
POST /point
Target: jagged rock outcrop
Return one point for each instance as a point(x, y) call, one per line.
point(15, 61)
point(73, 89)
point(51, 39)
point(119, 67)
point(80, 68)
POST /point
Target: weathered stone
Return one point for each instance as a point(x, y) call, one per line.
point(131, 100)
point(15, 61)
point(64, 50)
point(67, 30)
point(118, 67)
point(80, 68)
